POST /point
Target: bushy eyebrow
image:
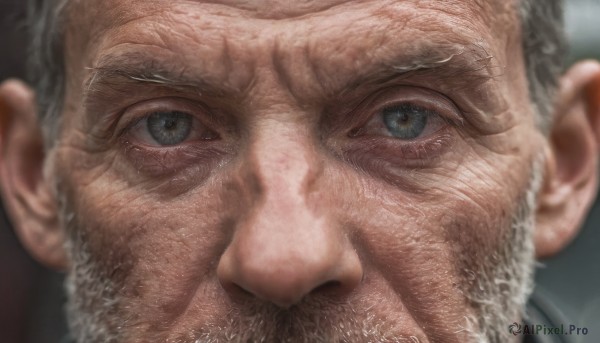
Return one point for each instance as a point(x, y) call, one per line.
point(458, 66)
point(141, 69)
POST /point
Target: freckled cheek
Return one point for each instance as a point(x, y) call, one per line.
point(157, 252)
point(404, 245)
point(470, 225)
point(190, 163)
point(474, 206)
point(420, 242)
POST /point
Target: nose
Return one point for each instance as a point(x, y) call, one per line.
point(288, 243)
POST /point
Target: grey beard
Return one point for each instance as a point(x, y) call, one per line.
point(498, 292)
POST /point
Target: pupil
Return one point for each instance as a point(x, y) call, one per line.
point(170, 124)
point(404, 118)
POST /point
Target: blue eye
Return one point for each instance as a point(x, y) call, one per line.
point(405, 121)
point(169, 128)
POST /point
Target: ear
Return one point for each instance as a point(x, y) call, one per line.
point(571, 177)
point(26, 193)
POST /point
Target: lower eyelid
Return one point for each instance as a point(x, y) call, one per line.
point(198, 132)
point(434, 123)
point(156, 161)
point(402, 153)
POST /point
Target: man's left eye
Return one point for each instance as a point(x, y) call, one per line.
point(404, 121)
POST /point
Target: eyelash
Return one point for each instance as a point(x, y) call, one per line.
point(158, 160)
point(415, 153)
point(371, 150)
point(368, 150)
point(199, 129)
point(403, 106)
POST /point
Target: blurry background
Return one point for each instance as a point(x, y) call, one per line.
point(572, 278)
point(31, 297)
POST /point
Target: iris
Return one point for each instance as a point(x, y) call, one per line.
point(405, 121)
point(169, 128)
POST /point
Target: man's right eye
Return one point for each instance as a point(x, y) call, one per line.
point(170, 128)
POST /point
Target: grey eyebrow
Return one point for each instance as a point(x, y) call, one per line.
point(426, 64)
point(111, 75)
point(460, 66)
point(471, 62)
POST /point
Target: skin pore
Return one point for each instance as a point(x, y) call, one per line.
point(352, 171)
point(287, 224)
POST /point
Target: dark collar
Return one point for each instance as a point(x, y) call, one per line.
point(541, 311)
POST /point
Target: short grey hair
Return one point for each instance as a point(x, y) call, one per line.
point(46, 63)
point(543, 40)
point(545, 50)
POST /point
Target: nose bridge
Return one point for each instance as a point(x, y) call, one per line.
point(285, 164)
point(285, 244)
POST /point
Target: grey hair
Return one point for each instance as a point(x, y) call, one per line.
point(46, 66)
point(543, 40)
point(545, 50)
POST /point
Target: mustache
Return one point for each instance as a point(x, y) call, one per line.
point(314, 320)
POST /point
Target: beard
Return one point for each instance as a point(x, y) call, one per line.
point(497, 289)
point(500, 285)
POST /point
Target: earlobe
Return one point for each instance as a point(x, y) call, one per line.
point(570, 182)
point(26, 194)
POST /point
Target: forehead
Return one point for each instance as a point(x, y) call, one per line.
point(285, 8)
point(228, 42)
point(93, 22)
point(97, 15)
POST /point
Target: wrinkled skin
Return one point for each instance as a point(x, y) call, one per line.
point(290, 212)
point(286, 206)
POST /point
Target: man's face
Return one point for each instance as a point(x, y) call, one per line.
point(296, 171)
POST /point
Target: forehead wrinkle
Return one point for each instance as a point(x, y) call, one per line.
point(419, 53)
point(114, 14)
point(393, 45)
point(458, 65)
point(268, 9)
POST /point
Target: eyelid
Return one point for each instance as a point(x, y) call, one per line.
point(138, 112)
point(434, 103)
point(429, 100)
point(195, 154)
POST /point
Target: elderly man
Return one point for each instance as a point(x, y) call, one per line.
point(308, 171)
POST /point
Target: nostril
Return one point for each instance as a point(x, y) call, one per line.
point(237, 292)
point(331, 286)
point(243, 291)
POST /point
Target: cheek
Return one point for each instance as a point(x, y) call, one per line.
point(427, 245)
point(158, 252)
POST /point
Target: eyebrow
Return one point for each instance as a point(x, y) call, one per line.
point(465, 65)
point(459, 65)
point(138, 68)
